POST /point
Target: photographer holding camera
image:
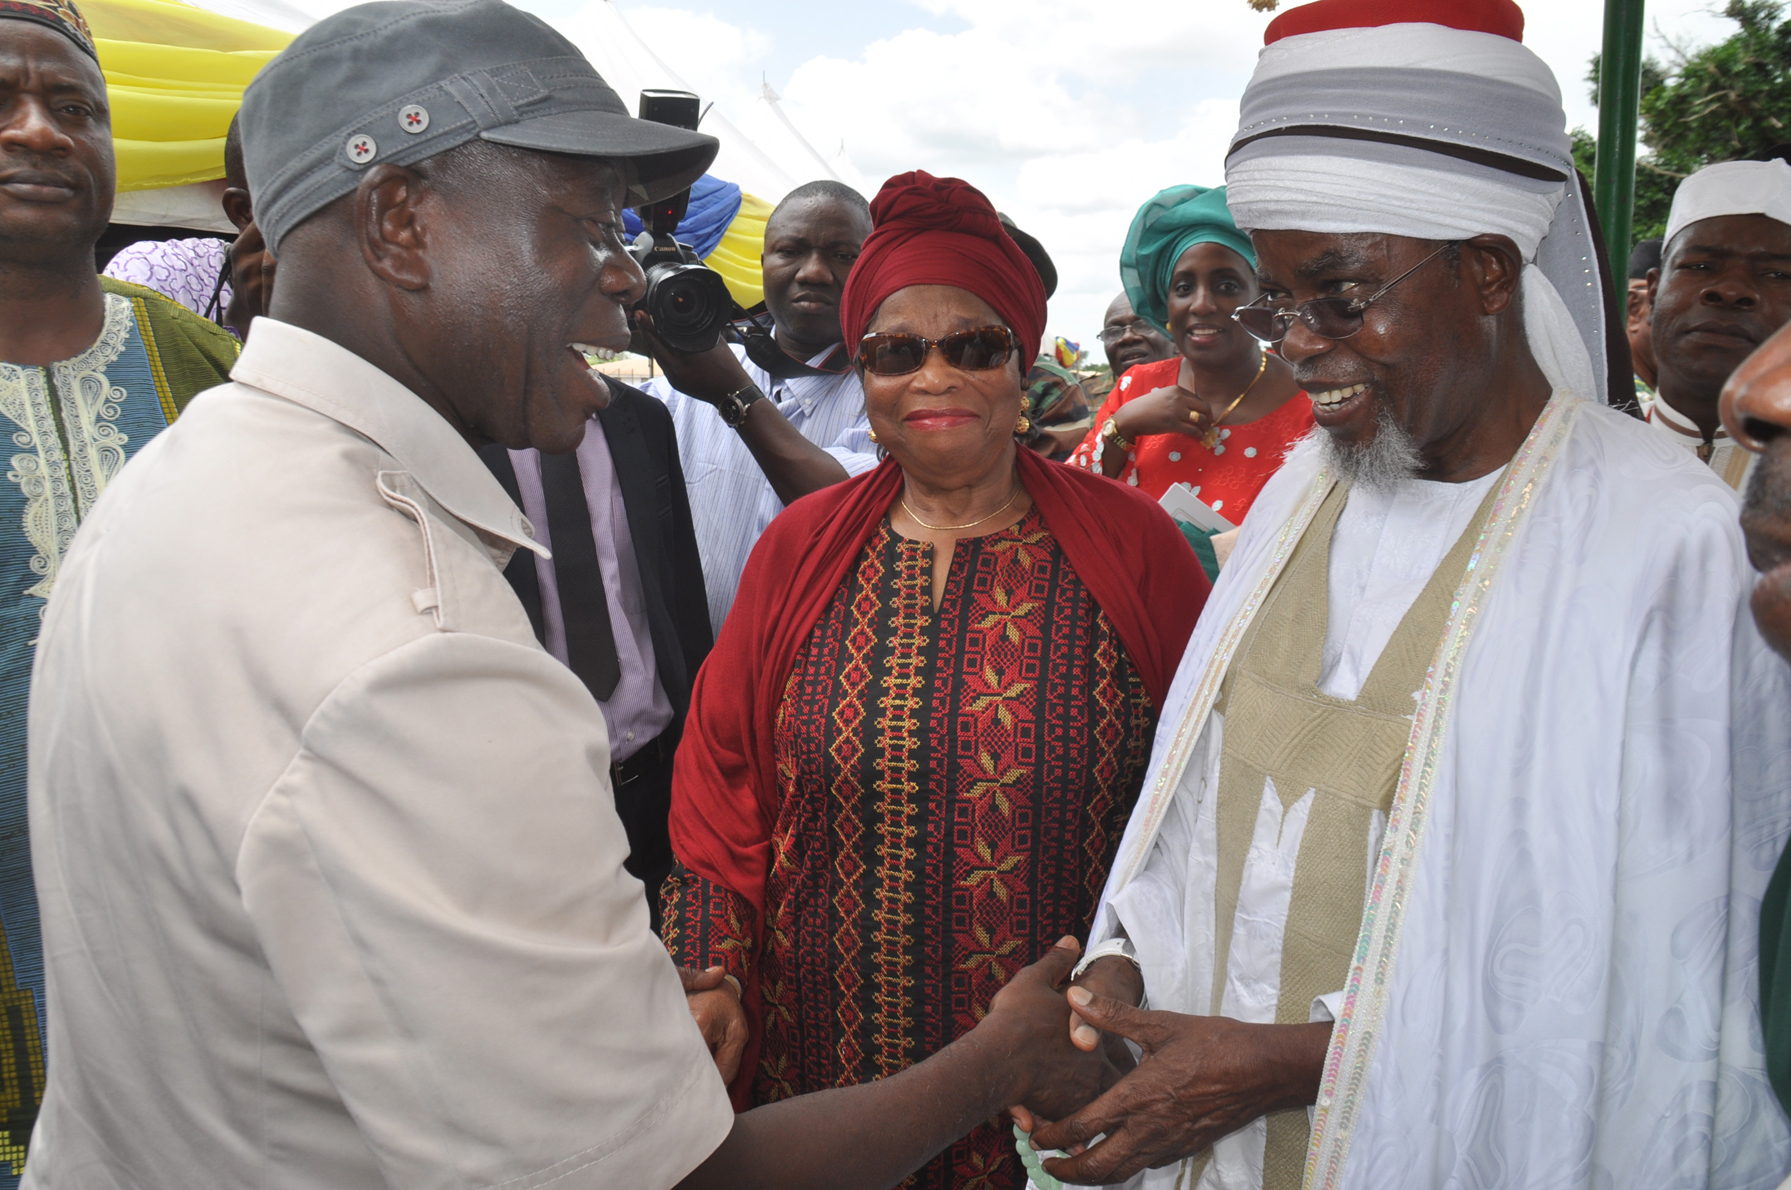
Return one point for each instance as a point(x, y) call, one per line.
point(764, 422)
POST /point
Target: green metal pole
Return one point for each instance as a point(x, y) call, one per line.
point(1619, 100)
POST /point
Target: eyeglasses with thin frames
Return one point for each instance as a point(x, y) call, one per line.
point(1115, 332)
point(1327, 317)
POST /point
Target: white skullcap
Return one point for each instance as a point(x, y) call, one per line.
point(1731, 188)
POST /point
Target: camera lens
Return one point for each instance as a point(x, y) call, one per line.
point(689, 305)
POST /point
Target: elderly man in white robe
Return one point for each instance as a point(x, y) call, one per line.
point(1447, 868)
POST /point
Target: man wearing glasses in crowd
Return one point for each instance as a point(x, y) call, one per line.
point(1129, 340)
point(1481, 667)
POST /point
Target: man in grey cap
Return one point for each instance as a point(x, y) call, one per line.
point(332, 878)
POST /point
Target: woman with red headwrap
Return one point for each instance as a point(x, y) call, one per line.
point(914, 747)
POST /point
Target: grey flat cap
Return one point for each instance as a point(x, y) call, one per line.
point(402, 80)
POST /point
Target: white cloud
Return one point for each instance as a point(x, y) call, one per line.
point(1080, 205)
point(1068, 142)
point(726, 48)
point(947, 102)
point(1095, 39)
point(1068, 113)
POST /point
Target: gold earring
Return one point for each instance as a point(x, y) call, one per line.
point(1023, 425)
point(873, 435)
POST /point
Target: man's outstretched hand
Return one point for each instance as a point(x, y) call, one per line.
point(876, 1133)
point(1201, 1077)
point(719, 1014)
point(1056, 1076)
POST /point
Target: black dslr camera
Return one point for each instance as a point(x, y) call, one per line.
point(688, 302)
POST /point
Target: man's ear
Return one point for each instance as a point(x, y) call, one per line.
point(1653, 288)
point(237, 208)
point(1493, 266)
point(390, 224)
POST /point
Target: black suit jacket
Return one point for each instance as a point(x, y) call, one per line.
point(644, 447)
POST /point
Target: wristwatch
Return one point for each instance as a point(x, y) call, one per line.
point(1111, 433)
point(733, 407)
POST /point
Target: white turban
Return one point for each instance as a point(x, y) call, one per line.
point(1434, 133)
point(1731, 188)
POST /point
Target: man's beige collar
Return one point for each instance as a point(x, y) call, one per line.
point(321, 375)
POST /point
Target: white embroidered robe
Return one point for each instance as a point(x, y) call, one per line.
point(1556, 981)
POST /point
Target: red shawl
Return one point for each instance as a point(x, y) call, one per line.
point(725, 799)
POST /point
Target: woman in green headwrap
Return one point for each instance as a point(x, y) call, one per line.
point(1220, 415)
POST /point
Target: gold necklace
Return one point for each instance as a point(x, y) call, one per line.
point(1210, 439)
point(953, 528)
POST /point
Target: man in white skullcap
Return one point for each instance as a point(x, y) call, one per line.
point(1446, 871)
point(1722, 289)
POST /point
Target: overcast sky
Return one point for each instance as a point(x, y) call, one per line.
point(1067, 113)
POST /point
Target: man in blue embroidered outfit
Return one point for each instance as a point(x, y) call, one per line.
point(1447, 869)
point(90, 370)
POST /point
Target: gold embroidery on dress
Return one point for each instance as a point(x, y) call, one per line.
point(89, 404)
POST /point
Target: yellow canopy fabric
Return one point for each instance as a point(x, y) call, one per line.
point(175, 75)
point(736, 257)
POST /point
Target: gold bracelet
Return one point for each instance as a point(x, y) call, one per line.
point(1111, 433)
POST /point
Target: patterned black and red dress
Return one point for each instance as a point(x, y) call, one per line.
point(953, 784)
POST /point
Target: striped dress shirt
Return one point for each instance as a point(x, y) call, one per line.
point(731, 501)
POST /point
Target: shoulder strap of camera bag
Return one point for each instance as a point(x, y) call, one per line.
point(753, 331)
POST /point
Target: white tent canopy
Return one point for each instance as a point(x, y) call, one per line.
point(770, 163)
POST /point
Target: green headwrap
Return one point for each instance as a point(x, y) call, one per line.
point(1164, 228)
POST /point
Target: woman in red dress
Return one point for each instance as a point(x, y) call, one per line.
point(1221, 415)
point(911, 755)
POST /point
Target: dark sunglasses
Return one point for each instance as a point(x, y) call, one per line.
point(976, 350)
point(1326, 317)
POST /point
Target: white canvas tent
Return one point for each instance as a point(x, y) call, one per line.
point(769, 162)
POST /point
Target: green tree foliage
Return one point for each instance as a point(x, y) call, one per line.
point(1726, 102)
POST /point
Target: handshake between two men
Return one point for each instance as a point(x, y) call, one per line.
point(1195, 1078)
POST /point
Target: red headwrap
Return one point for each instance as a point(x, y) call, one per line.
point(943, 231)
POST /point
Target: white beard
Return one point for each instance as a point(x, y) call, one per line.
point(1388, 460)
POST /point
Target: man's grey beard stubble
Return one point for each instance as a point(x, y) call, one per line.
point(1387, 460)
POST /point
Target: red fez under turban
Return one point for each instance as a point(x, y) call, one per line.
point(1502, 18)
point(943, 231)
